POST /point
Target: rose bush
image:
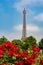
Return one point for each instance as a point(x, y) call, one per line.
point(10, 54)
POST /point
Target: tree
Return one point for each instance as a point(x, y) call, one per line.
point(41, 44)
point(29, 42)
point(18, 42)
point(3, 40)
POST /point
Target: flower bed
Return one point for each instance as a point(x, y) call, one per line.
point(10, 54)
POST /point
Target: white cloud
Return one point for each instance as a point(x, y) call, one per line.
point(11, 35)
point(28, 3)
point(39, 17)
point(31, 30)
point(23, 3)
point(31, 14)
point(30, 27)
point(20, 5)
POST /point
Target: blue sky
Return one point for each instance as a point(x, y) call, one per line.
point(11, 18)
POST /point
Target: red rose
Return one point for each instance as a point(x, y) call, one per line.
point(25, 53)
point(2, 46)
point(15, 52)
point(35, 54)
point(20, 55)
point(29, 61)
point(19, 63)
point(10, 52)
point(12, 46)
point(41, 62)
point(7, 44)
point(2, 64)
point(35, 48)
point(1, 52)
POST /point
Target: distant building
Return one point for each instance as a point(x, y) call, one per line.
point(24, 25)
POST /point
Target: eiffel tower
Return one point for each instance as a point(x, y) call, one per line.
point(24, 25)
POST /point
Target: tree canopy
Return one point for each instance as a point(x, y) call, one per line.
point(17, 42)
point(41, 44)
point(3, 40)
point(29, 42)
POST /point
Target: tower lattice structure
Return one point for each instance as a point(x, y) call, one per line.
point(24, 25)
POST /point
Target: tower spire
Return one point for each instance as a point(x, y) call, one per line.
point(24, 25)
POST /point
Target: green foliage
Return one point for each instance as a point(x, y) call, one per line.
point(29, 42)
point(41, 44)
point(3, 40)
point(19, 43)
point(25, 46)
